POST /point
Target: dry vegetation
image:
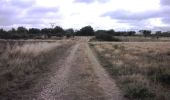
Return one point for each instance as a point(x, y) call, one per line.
point(142, 39)
point(141, 68)
point(22, 63)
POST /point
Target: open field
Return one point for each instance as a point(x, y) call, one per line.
point(68, 70)
point(141, 69)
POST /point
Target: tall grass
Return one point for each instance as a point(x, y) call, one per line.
point(22, 63)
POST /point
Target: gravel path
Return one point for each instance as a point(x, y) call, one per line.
point(80, 77)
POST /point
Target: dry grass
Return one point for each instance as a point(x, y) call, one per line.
point(21, 63)
point(142, 39)
point(141, 68)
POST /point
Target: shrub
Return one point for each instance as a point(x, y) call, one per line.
point(138, 90)
point(105, 37)
point(160, 74)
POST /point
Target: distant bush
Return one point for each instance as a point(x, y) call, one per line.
point(105, 37)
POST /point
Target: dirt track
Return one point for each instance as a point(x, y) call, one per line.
point(79, 76)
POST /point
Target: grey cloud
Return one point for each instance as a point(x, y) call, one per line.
point(91, 1)
point(140, 20)
point(164, 28)
point(125, 15)
point(166, 20)
point(84, 1)
point(165, 2)
point(22, 3)
point(11, 12)
point(164, 15)
point(165, 11)
point(7, 15)
point(41, 11)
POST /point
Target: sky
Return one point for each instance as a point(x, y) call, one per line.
point(100, 14)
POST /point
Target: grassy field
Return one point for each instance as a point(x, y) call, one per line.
point(136, 39)
point(141, 69)
point(142, 39)
point(22, 63)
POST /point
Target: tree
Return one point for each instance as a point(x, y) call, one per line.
point(157, 34)
point(111, 32)
point(34, 31)
point(102, 35)
point(87, 31)
point(12, 31)
point(131, 33)
point(3, 34)
point(58, 31)
point(146, 32)
point(69, 32)
point(22, 30)
point(46, 32)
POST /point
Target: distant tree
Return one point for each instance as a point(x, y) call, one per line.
point(21, 33)
point(69, 32)
point(22, 30)
point(46, 32)
point(58, 31)
point(12, 31)
point(158, 34)
point(166, 34)
point(145, 32)
point(86, 31)
point(104, 36)
point(3, 33)
point(100, 31)
point(35, 31)
point(131, 33)
point(111, 32)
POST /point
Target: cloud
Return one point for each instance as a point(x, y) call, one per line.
point(91, 1)
point(22, 3)
point(22, 12)
point(144, 19)
point(84, 1)
point(165, 8)
point(165, 2)
point(41, 11)
point(127, 15)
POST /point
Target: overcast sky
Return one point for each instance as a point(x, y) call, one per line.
point(100, 14)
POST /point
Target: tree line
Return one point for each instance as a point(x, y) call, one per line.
point(24, 33)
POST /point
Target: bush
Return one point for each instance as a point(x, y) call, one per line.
point(160, 74)
point(136, 90)
point(105, 37)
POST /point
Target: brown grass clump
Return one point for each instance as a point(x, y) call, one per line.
point(21, 63)
point(141, 68)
